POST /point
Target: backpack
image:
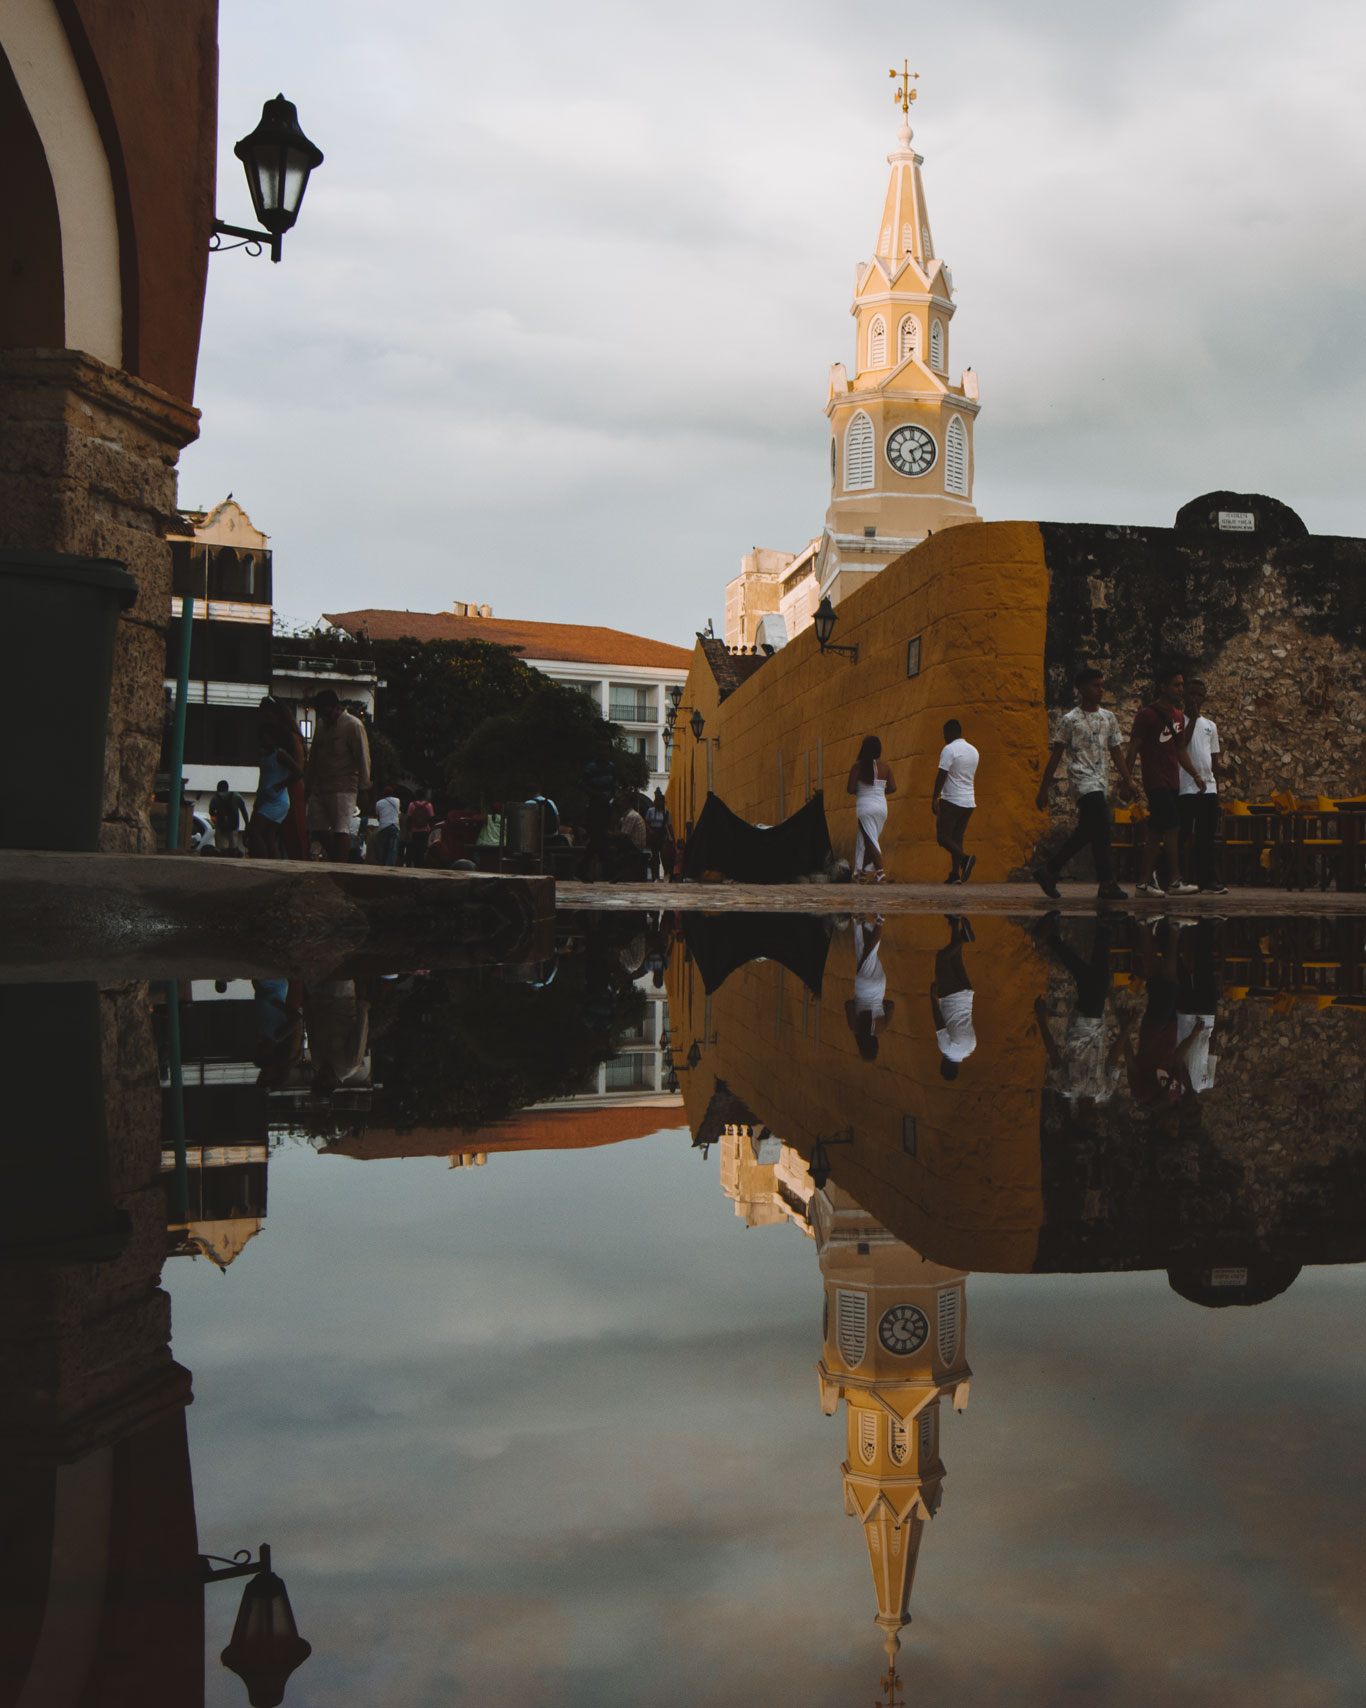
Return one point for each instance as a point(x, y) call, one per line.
point(226, 812)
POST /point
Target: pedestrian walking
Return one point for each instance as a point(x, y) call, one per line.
point(266, 829)
point(954, 799)
point(1198, 810)
point(227, 815)
point(1155, 741)
point(1087, 736)
point(421, 818)
point(659, 835)
point(870, 782)
point(387, 810)
point(338, 770)
point(279, 715)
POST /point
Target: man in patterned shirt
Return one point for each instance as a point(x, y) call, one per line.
point(1088, 735)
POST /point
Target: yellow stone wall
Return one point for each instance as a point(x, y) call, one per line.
point(977, 596)
point(971, 1197)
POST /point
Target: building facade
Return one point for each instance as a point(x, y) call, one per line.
point(901, 432)
point(626, 676)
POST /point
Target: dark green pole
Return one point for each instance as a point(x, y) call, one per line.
point(182, 689)
point(181, 1207)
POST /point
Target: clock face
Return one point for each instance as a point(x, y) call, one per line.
point(904, 1329)
point(911, 450)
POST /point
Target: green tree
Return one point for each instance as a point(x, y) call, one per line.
point(540, 747)
point(437, 693)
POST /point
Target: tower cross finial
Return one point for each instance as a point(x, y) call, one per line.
point(905, 94)
point(891, 1684)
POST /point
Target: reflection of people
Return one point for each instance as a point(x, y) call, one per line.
point(338, 770)
point(1089, 736)
point(337, 1019)
point(870, 782)
point(1082, 1068)
point(954, 799)
point(868, 1012)
point(951, 1000)
point(1196, 1002)
point(279, 1029)
point(1157, 1074)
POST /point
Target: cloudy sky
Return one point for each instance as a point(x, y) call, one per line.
point(554, 329)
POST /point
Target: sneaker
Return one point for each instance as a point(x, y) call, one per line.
point(968, 864)
point(1047, 883)
point(1151, 888)
point(952, 878)
point(1180, 889)
point(1111, 892)
point(1213, 890)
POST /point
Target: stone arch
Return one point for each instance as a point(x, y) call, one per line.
point(49, 83)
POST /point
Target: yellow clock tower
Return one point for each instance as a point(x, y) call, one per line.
point(901, 454)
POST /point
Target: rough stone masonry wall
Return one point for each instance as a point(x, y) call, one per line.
point(87, 466)
point(1273, 619)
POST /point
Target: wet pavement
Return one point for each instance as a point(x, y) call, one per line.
point(1039, 1382)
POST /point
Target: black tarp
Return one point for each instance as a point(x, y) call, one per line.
point(721, 942)
point(723, 842)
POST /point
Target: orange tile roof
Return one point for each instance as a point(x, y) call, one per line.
point(568, 643)
point(529, 1130)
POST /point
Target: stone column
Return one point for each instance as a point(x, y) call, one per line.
point(88, 465)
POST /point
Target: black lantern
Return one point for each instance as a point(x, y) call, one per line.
point(675, 694)
point(266, 1646)
point(697, 723)
point(694, 1054)
point(824, 622)
point(277, 158)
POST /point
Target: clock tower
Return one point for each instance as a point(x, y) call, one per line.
point(893, 1346)
point(901, 452)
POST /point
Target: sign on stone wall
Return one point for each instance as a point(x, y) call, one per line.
point(1237, 521)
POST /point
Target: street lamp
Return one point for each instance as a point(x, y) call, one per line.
point(675, 693)
point(277, 158)
point(824, 621)
point(266, 1646)
point(697, 723)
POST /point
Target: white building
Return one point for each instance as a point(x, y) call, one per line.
point(626, 675)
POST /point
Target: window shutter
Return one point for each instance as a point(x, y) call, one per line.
point(886, 240)
point(900, 1446)
point(926, 1436)
point(956, 457)
point(851, 1327)
point(877, 343)
point(858, 453)
point(908, 338)
point(948, 1327)
point(937, 346)
point(867, 1436)
point(907, 238)
point(925, 241)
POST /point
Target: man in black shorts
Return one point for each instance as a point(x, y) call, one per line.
point(1155, 740)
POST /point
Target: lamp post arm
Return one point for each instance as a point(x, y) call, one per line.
point(255, 240)
point(241, 1565)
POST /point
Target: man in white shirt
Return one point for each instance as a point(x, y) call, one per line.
point(954, 798)
point(1089, 737)
point(387, 808)
point(1199, 813)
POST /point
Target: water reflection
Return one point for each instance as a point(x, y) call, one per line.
point(1123, 1097)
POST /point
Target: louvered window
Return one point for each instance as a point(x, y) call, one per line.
point(886, 241)
point(858, 453)
point(907, 238)
point(926, 1437)
point(956, 457)
point(867, 1436)
point(908, 338)
point(877, 343)
point(925, 241)
point(937, 346)
point(948, 1327)
point(851, 1327)
point(900, 1445)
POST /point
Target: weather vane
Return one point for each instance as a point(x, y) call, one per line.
point(891, 1684)
point(905, 94)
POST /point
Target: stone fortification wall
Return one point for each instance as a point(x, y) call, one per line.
point(1272, 617)
point(975, 597)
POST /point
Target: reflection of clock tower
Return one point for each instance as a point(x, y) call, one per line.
point(901, 456)
point(893, 1346)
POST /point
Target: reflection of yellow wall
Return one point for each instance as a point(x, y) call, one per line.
point(971, 1195)
point(976, 596)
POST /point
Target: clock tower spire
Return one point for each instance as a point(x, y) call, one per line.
point(901, 451)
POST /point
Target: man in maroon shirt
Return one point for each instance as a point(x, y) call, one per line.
point(1155, 740)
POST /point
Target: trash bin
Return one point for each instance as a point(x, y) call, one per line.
point(522, 830)
point(65, 611)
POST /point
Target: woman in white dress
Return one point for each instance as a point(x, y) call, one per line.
point(870, 782)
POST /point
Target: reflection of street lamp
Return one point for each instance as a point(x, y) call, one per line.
point(277, 158)
point(266, 1646)
point(819, 1166)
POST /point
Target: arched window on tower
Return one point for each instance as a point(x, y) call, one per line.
point(956, 457)
point(908, 338)
point(925, 244)
point(948, 1327)
point(937, 346)
point(907, 238)
point(867, 1436)
point(886, 248)
point(877, 342)
point(851, 1326)
point(858, 453)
